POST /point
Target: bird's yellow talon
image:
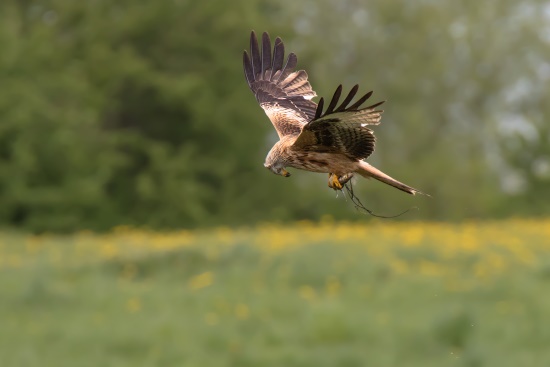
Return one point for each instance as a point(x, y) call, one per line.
point(337, 183)
point(334, 182)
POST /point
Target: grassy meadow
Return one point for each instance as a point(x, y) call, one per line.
point(329, 294)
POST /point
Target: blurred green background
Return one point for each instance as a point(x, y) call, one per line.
point(306, 295)
point(137, 112)
point(140, 228)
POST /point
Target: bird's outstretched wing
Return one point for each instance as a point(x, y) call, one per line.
point(342, 129)
point(284, 94)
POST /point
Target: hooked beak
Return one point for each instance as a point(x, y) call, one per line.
point(283, 172)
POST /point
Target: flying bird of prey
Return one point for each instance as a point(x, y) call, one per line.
point(334, 141)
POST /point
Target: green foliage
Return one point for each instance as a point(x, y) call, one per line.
point(137, 112)
point(120, 113)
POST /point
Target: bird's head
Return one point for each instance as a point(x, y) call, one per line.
point(275, 160)
point(277, 168)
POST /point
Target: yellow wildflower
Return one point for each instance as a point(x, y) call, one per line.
point(201, 281)
point(241, 311)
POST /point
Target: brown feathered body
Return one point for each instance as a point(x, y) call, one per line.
point(335, 140)
point(285, 153)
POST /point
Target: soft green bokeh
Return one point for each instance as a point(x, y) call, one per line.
point(329, 295)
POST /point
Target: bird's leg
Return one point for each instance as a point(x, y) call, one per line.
point(345, 178)
point(336, 182)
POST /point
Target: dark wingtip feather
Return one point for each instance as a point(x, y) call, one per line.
point(266, 54)
point(255, 55)
point(360, 101)
point(348, 99)
point(278, 56)
point(291, 62)
point(334, 100)
point(319, 110)
point(249, 74)
point(376, 105)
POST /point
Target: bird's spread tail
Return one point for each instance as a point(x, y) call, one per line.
point(368, 171)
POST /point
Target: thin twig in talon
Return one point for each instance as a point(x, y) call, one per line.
point(359, 205)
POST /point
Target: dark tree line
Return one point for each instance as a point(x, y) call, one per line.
point(137, 112)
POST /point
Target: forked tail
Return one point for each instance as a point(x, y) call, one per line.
point(368, 171)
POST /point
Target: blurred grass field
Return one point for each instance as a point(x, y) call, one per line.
point(329, 294)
